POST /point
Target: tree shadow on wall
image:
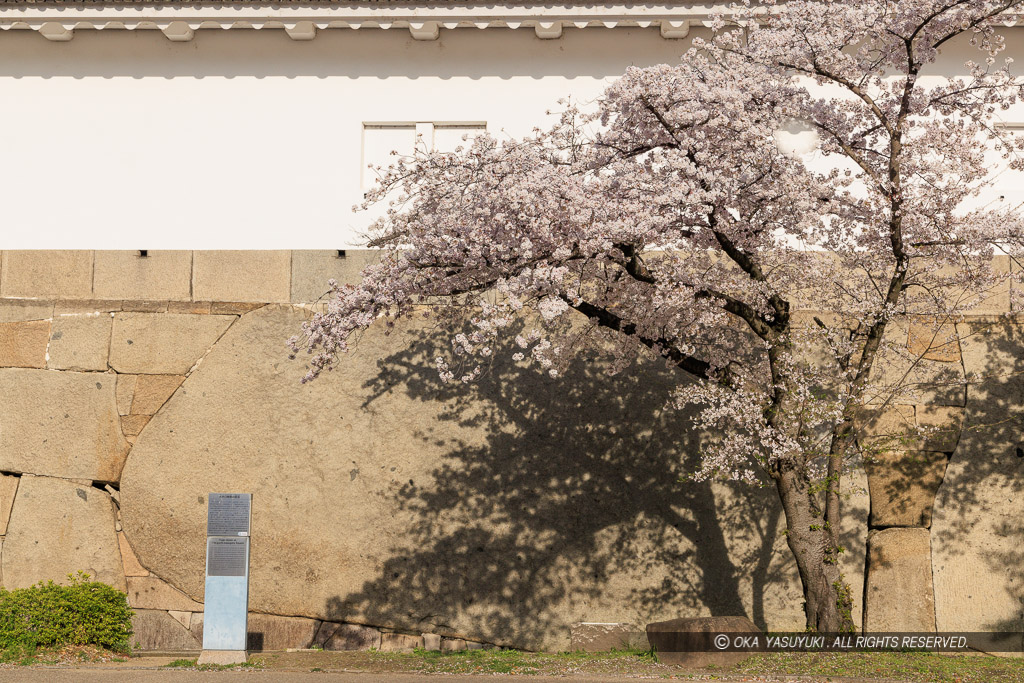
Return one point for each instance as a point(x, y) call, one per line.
point(568, 508)
point(978, 527)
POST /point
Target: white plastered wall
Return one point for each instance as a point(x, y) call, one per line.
point(247, 139)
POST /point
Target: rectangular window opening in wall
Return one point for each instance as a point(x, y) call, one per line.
point(382, 138)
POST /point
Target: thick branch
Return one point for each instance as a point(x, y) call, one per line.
point(609, 320)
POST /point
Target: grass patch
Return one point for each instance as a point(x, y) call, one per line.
point(907, 667)
point(181, 664)
point(903, 666)
point(194, 665)
point(513, 661)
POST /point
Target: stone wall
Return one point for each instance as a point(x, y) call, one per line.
point(390, 510)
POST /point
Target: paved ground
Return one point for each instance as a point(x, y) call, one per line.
point(149, 670)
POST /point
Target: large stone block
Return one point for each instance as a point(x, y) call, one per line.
point(21, 310)
point(689, 642)
point(157, 630)
point(311, 269)
point(269, 632)
point(61, 424)
point(132, 425)
point(150, 592)
point(884, 428)
point(940, 427)
point(46, 273)
point(79, 342)
point(991, 348)
point(125, 393)
point(332, 636)
point(903, 485)
point(977, 526)
point(8, 489)
point(899, 594)
point(258, 276)
point(601, 637)
point(978, 298)
point(399, 642)
point(23, 345)
point(432, 482)
point(163, 275)
point(934, 340)
point(900, 377)
point(58, 528)
point(130, 562)
point(163, 343)
point(453, 645)
point(152, 391)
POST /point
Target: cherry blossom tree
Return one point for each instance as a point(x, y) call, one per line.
point(667, 219)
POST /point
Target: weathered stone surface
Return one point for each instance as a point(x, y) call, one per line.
point(311, 269)
point(62, 424)
point(144, 306)
point(162, 275)
point(234, 307)
point(900, 377)
point(152, 391)
point(58, 528)
point(883, 428)
point(20, 310)
point(23, 345)
point(79, 342)
point(183, 618)
point(689, 642)
point(332, 636)
point(934, 341)
point(412, 468)
point(975, 299)
point(903, 485)
point(165, 344)
point(453, 645)
point(196, 627)
point(132, 425)
point(150, 592)
point(46, 273)
point(940, 427)
point(977, 527)
point(594, 637)
point(399, 642)
point(261, 276)
point(85, 307)
point(269, 632)
point(157, 630)
point(200, 307)
point(990, 348)
point(222, 657)
point(432, 642)
point(125, 392)
point(899, 594)
point(129, 561)
point(8, 489)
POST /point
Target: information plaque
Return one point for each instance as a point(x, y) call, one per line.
point(228, 514)
point(226, 605)
point(226, 556)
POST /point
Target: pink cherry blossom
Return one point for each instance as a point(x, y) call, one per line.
point(667, 220)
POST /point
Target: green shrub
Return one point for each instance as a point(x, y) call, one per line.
point(82, 613)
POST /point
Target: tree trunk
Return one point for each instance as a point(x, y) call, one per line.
point(827, 598)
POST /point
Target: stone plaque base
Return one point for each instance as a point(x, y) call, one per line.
point(223, 657)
